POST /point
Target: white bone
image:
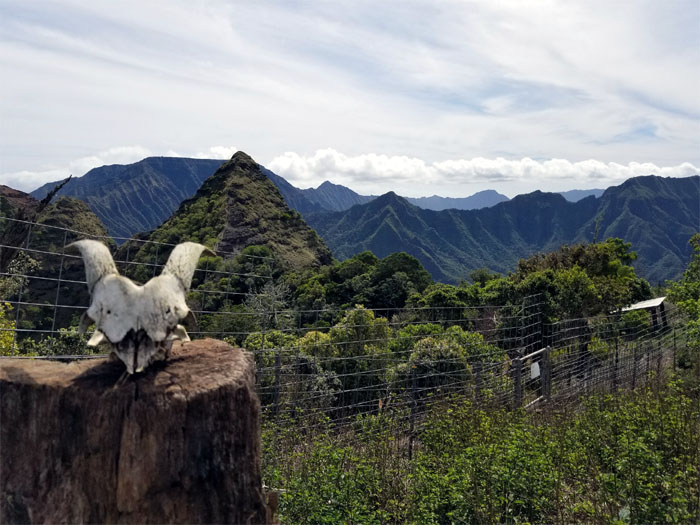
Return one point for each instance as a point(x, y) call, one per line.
point(140, 322)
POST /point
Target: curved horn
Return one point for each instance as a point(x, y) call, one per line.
point(97, 259)
point(183, 262)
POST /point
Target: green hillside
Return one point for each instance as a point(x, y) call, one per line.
point(657, 215)
point(238, 206)
point(44, 260)
point(137, 197)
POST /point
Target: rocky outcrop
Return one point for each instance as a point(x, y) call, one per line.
point(179, 443)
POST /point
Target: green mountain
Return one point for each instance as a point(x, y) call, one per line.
point(239, 206)
point(137, 197)
point(658, 215)
point(44, 259)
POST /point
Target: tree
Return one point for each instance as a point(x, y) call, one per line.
point(686, 294)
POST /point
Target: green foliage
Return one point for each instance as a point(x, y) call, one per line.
point(686, 294)
point(630, 458)
point(587, 279)
point(67, 342)
point(655, 213)
point(7, 327)
point(364, 279)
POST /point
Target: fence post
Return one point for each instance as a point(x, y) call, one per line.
point(546, 375)
point(518, 393)
point(659, 351)
point(58, 287)
point(616, 370)
point(278, 371)
point(19, 296)
point(258, 372)
point(412, 416)
point(674, 348)
point(634, 365)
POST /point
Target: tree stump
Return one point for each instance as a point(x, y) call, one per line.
point(179, 443)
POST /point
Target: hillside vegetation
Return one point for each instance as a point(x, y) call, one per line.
point(658, 215)
point(237, 207)
point(137, 197)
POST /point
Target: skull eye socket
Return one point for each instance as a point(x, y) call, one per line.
point(109, 312)
point(168, 310)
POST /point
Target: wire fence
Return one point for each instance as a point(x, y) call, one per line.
point(327, 366)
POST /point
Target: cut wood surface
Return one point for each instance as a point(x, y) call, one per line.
point(179, 443)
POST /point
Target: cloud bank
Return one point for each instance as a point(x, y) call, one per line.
point(373, 173)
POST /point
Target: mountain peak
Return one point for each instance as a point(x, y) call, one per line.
point(241, 157)
point(326, 184)
point(239, 206)
point(389, 198)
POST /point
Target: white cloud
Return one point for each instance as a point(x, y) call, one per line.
point(372, 173)
point(27, 181)
point(613, 81)
point(216, 152)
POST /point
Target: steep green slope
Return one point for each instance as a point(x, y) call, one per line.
point(44, 259)
point(137, 197)
point(658, 215)
point(238, 206)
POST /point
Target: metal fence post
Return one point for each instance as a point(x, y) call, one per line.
point(58, 287)
point(674, 348)
point(412, 416)
point(518, 392)
point(546, 375)
point(616, 369)
point(278, 372)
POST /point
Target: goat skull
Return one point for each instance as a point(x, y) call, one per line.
point(139, 322)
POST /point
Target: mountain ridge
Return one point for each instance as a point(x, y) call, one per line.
point(451, 243)
point(236, 207)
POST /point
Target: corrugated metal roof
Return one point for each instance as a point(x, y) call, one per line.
point(651, 303)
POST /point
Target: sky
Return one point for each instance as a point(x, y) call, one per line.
point(418, 97)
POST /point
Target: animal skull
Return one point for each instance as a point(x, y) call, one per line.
point(139, 322)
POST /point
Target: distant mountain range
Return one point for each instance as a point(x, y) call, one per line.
point(657, 215)
point(577, 195)
point(138, 197)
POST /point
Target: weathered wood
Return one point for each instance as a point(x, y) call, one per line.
point(179, 443)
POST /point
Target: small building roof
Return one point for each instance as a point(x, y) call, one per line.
point(642, 305)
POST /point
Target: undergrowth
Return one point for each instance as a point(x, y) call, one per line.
point(629, 458)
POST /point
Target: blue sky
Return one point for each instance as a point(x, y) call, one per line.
point(430, 97)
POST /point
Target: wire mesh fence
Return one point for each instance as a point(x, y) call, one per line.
point(330, 365)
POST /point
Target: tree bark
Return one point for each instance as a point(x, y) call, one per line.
point(179, 443)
